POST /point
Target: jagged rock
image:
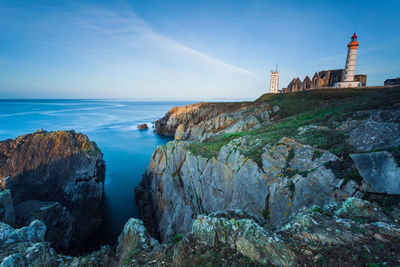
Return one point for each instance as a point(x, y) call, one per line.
point(179, 185)
point(56, 217)
point(245, 236)
point(7, 213)
point(103, 257)
point(24, 246)
point(179, 132)
point(134, 238)
point(337, 234)
point(354, 208)
point(61, 166)
point(380, 170)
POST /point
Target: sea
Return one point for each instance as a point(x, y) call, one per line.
point(112, 124)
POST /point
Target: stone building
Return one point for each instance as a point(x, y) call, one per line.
point(361, 78)
point(322, 79)
point(392, 81)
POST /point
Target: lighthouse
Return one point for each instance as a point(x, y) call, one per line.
point(348, 80)
point(274, 82)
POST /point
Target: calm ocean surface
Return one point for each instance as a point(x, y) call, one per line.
point(112, 124)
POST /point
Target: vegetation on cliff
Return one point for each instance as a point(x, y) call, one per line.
point(325, 108)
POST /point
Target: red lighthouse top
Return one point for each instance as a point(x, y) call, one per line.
point(353, 43)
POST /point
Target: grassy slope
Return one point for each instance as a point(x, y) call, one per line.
point(322, 107)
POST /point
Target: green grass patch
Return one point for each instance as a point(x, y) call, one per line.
point(177, 238)
point(206, 150)
point(318, 209)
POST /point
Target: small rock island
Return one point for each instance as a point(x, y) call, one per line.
point(143, 126)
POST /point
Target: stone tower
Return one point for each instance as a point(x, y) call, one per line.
point(274, 83)
point(350, 65)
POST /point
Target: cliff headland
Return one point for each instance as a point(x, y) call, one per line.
point(273, 157)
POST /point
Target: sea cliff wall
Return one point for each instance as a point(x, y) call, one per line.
point(57, 177)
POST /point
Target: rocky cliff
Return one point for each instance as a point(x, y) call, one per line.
point(204, 119)
point(56, 177)
point(304, 153)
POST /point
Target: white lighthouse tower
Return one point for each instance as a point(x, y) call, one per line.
point(274, 83)
point(348, 80)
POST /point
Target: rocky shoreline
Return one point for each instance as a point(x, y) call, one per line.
point(298, 179)
point(58, 178)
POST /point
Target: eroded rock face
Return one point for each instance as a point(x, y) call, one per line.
point(179, 185)
point(62, 166)
point(7, 213)
point(377, 129)
point(56, 217)
point(198, 120)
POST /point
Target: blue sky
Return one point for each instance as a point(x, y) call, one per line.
point(186, 50)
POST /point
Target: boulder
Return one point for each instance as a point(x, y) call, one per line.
point(245, 236)
point(7, 214)
point(133, 239)
point(379, 170)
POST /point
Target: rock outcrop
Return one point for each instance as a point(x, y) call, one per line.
point(380, 170)
point(26, 247)
point(301, 150)
point(179, 185)
point(63, 167)
point(56, 217)
point(336, 234)
point(205, 119)
point(318, 235)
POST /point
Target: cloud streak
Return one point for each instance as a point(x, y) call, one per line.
point(93, 28)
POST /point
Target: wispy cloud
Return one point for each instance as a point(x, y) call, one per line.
point(93, 28)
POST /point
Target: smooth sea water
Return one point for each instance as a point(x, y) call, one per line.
point(112, 124)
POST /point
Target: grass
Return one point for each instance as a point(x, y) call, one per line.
point(265, 214)
point(318, 209)
point(177, 238)
point(327, 107)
